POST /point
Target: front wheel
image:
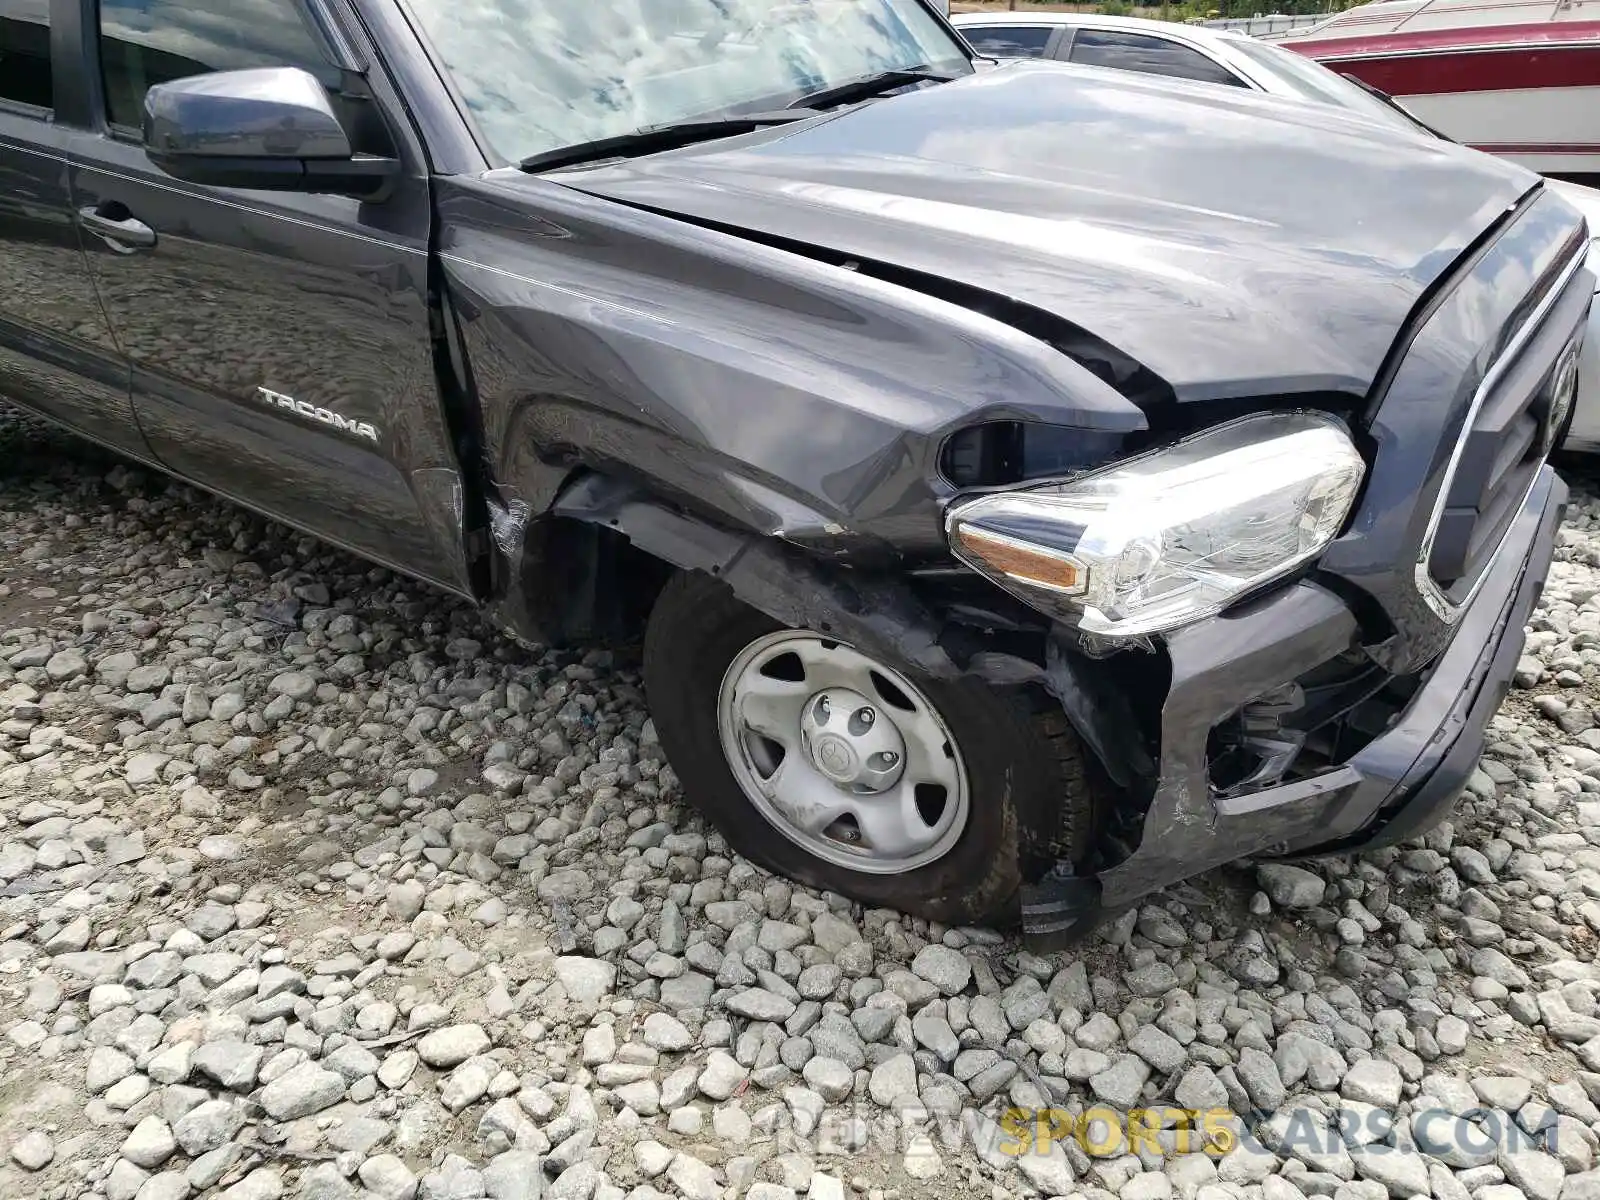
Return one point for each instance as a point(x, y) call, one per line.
point(850, 774)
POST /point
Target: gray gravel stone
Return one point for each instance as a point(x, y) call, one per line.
point(1373, 1081)
point(1538, 1175)
point(1259, 1074)
point(107, 1065)
point(149, 1144)
point(1447, 1138)
point(664, 1032)
point(33, 1151)
point(585, 979)
point(947, 969)
point(468, 1083)
point(231, 1064)
point(1290, 886)
point(1121, 1083)
point(514, 1175)
point(1403, 1173)
point(893, 1079)
point(1162, 1051)
point(1508, 1092)
point(1155, 980)
point(124, 1180)
point(721, 1075)
point(301, 1091)
point(388, 1177)
point(295, 685)
point(452, 1045)
point(832, 1079)
point(1452, 1034)
point(207, 1126)
point(819, 981)
point(758, 1004)
point(169, 1185)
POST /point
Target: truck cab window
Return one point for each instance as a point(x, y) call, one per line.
point(145, 42)
point(25, 52)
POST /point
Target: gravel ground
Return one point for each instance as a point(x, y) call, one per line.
point(312, 885)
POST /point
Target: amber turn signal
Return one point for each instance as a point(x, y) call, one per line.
point(1025, 563)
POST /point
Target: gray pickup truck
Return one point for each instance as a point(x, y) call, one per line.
point(1032, 485)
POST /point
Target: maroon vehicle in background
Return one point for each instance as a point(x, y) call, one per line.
point(1513, 78)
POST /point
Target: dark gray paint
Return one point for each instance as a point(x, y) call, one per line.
point(320, 297)
point(306, 297)
point(57, 355)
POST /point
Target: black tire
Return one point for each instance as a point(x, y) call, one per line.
point(1032, 792)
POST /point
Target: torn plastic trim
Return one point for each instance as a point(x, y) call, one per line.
point(1216, 666)
point(508, 523)
point(511, 607)
point(1102, 716)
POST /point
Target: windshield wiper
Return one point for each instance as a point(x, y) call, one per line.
point(654, 138)
point(871, 85)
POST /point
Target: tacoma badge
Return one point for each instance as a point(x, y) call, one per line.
point(311, 412)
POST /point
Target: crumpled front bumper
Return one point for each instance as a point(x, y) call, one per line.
point(1403, 781)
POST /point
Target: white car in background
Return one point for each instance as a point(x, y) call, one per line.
point(1237, 60)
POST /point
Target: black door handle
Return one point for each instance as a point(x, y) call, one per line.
point(117, 226)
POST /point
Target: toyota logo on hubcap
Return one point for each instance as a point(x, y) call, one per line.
point(835, 757)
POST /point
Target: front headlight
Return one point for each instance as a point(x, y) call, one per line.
point(1171, 536)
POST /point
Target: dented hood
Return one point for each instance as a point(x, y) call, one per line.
point(1234, 243)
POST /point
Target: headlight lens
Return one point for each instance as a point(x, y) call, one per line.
point(1172, 536)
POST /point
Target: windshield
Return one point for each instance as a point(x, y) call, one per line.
point(1313, 81)
point(543, 74)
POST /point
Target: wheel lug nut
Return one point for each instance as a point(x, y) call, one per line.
point(867, 716)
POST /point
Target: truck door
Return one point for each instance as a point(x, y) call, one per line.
point(280, 342)
point(57, 356)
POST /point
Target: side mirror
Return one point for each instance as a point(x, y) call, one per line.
point(271, 128)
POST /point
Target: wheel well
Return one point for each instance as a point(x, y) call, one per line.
point(588, 582)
